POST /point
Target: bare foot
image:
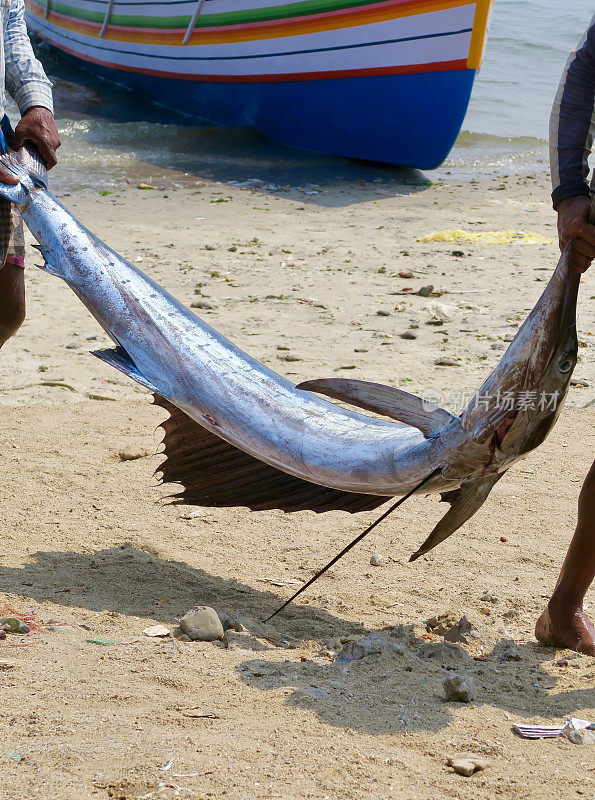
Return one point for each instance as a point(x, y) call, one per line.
point(566, 627)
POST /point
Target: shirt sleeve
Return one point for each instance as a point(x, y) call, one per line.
point(26, 80)
point(572, 122)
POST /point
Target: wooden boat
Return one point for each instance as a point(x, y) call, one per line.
point(387, 81)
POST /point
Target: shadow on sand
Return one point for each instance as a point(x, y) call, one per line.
point(396, 687)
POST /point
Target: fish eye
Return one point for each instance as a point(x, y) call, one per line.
point(567, 363)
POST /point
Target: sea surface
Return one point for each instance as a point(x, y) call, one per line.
point(507, 121)
point(106, 131)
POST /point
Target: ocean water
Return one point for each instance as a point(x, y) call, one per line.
point(529, 41)
point(105, 131)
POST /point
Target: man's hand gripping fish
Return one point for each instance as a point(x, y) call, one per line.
point(239, 434)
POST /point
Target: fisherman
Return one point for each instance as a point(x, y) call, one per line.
point(23, 77)
point(564, 623)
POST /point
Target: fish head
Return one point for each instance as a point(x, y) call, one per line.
point(519, 403)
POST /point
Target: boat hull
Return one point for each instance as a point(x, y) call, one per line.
point(393, 90)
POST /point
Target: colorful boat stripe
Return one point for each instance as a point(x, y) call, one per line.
point(71, 19)
point(250, 16)
point(368, 48)
point(458, 64)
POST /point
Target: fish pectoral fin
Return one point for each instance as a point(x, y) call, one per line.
point(118, 357)
point(391, 402)
point(464, 503)
point(215, 473)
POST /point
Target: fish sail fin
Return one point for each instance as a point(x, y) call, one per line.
point(5, 229)
point(394, 403)
point(118, 357)
point(215, 473)
point(464, 503)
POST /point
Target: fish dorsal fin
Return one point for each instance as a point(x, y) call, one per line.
point(215, 473)
point(464, 502)
point(394, 403)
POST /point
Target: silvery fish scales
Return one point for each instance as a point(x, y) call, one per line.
point(240, 434)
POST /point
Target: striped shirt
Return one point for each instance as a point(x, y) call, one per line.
point(572, 121)
point(21, 74)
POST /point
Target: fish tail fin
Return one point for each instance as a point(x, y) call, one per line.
point(464, 502)
point(28, 167)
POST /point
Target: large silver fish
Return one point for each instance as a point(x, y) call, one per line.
point(239, 434)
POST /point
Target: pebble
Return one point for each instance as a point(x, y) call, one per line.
point(579, 731)
point(376, 560)
point(201, 304)
point(202, 624)
point(405, 273)
point(383, 313)
point(447, 653)
point(408, 335)
point(230, 624)
point(426, 291)
point(489, 597)
point(157, 631)
point(441, 624)
point(331, 601)
point(467, 766)
point(509, 652)
point(446, 362)
point(362, 647)
point(460, 688)
point(133, 452)
point(289, 357)
point(14, 625)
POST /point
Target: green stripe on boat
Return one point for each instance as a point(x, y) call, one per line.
point(303, 9)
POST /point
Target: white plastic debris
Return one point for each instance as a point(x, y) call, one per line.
point(537, 731)
point(578, 731)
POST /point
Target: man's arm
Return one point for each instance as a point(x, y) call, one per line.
point(572, 124)
point(28, 84)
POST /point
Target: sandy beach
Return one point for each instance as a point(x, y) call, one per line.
point(317, 276)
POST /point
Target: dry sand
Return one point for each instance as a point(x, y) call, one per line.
point(272, 714)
